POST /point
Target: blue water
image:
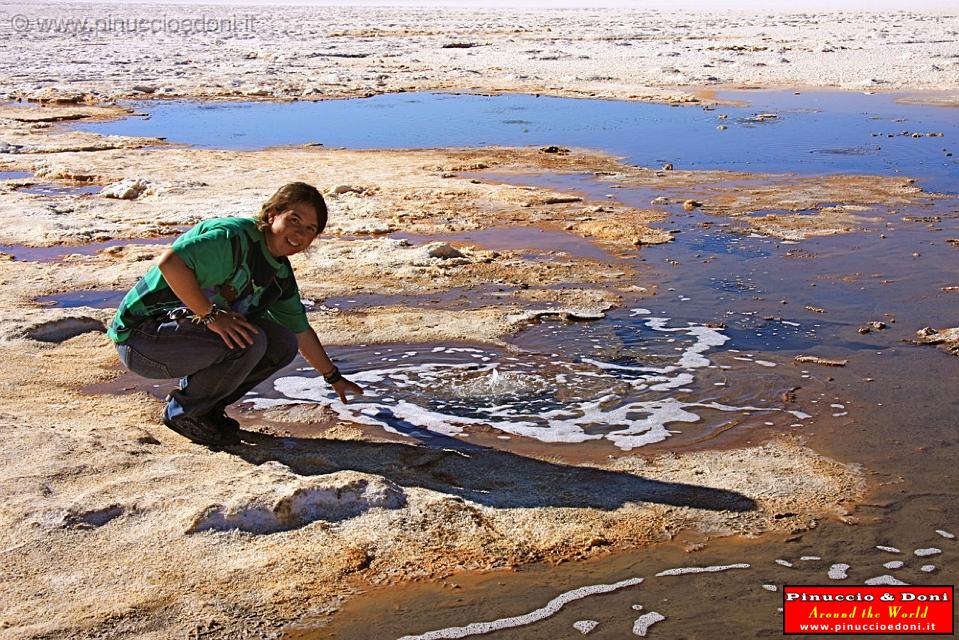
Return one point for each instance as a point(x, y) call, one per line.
point(814, 132)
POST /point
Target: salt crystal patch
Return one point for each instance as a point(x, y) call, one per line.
point(931, 551)
point(770, 587)
point(838, 571)
point(946, 534)
point(889, 549)
point(711, 569)
point(645, 621)
point(884, 580)
point(784, 563)
point(927, 568)
point(894, 564)
point(585, 626)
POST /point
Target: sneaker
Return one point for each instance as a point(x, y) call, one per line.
point(199, 430)
point(223, 422)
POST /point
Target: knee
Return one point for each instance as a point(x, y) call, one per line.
point(254, 351)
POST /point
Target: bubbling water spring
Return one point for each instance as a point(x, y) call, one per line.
point(625, 391)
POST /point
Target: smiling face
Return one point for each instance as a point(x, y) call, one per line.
point(291, 230)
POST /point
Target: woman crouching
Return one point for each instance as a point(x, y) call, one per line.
point(222, 312)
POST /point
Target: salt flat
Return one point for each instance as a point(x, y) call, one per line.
point(113, 526)
point(326, 52)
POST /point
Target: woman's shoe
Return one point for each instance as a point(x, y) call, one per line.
point(199, 430)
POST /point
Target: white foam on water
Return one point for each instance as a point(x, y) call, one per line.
point(838, 571)
point(585, 626)
point(931, 551)
point(681, 571)
point(884, 580)
point(888, 549)
point(551, 608)
point(645, 621)
point(946, 534)
point(561, 402)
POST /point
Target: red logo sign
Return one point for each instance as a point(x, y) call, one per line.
point(868, 610)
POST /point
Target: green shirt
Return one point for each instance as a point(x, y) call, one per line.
point(235, 270)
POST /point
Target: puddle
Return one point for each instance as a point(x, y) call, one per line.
point(96, 299)
point(15, 175)
point(54, 190)
point(770, 301)
point(647, 134)
point(518, 239)
point(632, 379)
point(60, 251)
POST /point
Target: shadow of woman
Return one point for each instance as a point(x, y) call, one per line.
point(480, 474)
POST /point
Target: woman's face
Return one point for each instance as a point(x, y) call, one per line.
point(291, 230)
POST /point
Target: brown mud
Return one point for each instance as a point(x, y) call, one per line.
point(113, 524)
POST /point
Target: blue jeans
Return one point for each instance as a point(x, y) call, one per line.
point(212, 375)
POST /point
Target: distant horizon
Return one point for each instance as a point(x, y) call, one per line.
point(706, 6)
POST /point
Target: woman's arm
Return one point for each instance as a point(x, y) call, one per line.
point(315, 354)
point(235, 330)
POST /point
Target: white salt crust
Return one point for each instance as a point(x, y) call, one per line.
point(946, 534)
point(770, 587)
point(889, 549)
point(931, 551)
point(645, 621)
point(585, 626)
point(711, 569)
point(894, 564)
point(838, 571)
point(927, 568)
point(884, 580)
point(554, 605)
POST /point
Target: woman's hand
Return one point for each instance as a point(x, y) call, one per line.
point(342, 386)
point(237, 332)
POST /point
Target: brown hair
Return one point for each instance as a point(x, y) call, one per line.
point(289, 195)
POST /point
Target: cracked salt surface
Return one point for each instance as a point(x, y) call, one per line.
point(628, 399)
point(553, 606)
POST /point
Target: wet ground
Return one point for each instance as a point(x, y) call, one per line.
point(890, 409)
point(739, 307)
